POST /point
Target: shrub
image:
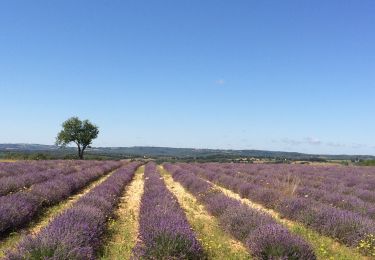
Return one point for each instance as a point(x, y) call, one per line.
point(275, 242)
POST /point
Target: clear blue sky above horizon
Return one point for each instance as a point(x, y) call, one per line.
point(275, 75)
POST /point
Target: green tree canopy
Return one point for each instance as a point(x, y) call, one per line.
point(79, 132)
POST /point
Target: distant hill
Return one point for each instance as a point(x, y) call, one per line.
point(178, 152)
point(27, 147)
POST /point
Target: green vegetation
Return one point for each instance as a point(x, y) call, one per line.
point(167, 154)
point(79, 132)
point(56, 155)
point(367, 163)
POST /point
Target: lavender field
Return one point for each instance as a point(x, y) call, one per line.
point(134, 210)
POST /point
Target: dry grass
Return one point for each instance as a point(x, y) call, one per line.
point(216, 243)
point(46, 216)
point(289, 184)
point(123, 229)
point(324, 247)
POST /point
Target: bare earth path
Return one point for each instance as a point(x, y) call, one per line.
point(123, 229)
point(216, 243)
point(324, 247)
point(47, 215)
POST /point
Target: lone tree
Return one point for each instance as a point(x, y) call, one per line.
point(79, 132)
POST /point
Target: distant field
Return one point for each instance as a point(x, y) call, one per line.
point(121, 210)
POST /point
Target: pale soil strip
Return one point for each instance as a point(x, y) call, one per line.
point(215, 242)
point(47, 215)
point(123, 229)
point(325, 247)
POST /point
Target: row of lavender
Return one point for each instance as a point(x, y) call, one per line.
point(318, 175)
point(18, 209)
point(164, 231)
point(264, 238)
point(21, 167)
point(357, 182)
point(77, 232)
point(277, 177)
point(273, 180)
point(28, 174)
point(347, 227)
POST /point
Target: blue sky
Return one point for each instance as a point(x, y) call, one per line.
point(276, 75)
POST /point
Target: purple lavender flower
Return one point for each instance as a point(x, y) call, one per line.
point(77, 232)
point(164, 230)
point(241, 221)
point(275, 242)
point(18, 209)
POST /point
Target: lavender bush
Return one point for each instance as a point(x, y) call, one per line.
point(243, 222)
point(349, 188)
point(275, 242)
point(23, 175)
point(164, 231)
point(19, 208)
point(22, 167)
point(330, 218)
point(77, 232)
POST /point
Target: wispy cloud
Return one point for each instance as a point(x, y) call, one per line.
point(334, 144)
point(315, 141)
point(312, 141)
point(306, 140)
point(356, 146)
point(289, 141)
point(220, 82)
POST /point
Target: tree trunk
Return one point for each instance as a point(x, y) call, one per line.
point(80, 152)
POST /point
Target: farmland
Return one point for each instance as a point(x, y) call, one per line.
point(64, 209)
